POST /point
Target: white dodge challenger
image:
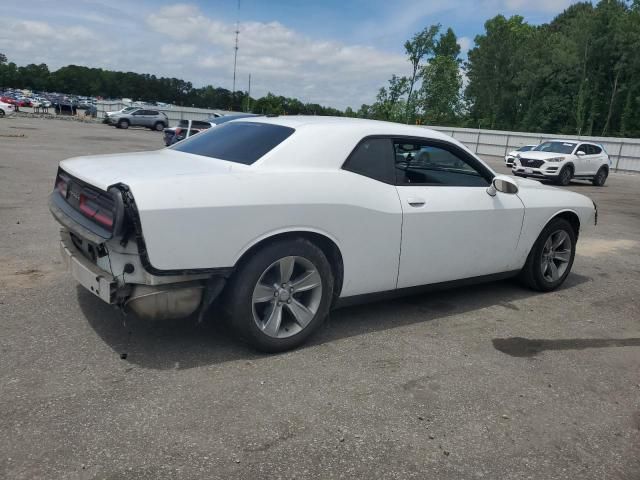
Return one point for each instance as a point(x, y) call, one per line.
point(280, 218)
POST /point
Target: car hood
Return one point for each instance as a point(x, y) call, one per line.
point(535, 155)
point(103, 171)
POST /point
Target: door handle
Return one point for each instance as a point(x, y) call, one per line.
point(416, 202)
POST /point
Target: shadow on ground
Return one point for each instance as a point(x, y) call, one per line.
point(524, 347)
point(185, 343)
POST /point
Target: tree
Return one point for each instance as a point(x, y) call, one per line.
point(440, 92)
point(439, 97)
point(390, 104)
point(419, 47)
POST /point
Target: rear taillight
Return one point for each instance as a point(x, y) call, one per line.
point(62, 185)
point(98, 208)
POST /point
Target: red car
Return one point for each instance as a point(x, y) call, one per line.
point(9, 100)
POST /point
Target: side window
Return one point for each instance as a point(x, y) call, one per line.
point(419, 163)
point(595, 150)
point(139, 112)
point(151, 112)
point(583, 148)
point(373, 158)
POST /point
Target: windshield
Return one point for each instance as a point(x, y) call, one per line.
point(556, 147)
point(240, 142)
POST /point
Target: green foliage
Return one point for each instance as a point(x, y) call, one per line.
point(440, 92)
point(576, 75)
point(421, 46)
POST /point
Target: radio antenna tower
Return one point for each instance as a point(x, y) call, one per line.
point(235, 55)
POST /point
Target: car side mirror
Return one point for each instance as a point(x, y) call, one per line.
point(580, 153)
point(502, 184)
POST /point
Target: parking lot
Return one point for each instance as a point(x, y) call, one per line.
point(491, 381)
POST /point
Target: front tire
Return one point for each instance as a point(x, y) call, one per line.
point(280, 295)
point(551, 258)
point(123, 124)
point(600, 178)
point(564, 178)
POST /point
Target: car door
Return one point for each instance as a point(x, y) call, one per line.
point(451, 228)
point(595, 158)
point(137, 117)
point(151, 118)
point(582, 162)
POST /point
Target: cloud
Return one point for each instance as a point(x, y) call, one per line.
point(465, 45)
point(280, 59)
point(181, 41)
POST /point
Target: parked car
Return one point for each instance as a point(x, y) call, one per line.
point(282, 218)
point(7, 99)
point(23, 102)
point(510, 157)
point(140, 117)
point(187, 128)
point(6, 109)
point(562, 160)
point(118, 112)
point(184, 129)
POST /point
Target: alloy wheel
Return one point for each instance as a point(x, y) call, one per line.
point(286, 297)
point(556, 255)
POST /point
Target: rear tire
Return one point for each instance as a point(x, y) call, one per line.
point(273, 318)
point(551, 258)
point(601, 177)
point(159, 126)
point(564, 178)
point(123, 124)
point(1, 113)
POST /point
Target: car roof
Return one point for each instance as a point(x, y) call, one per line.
point(327, 141)
point(564, 140)
point(359, 126)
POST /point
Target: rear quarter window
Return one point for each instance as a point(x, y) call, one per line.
point(239, 142)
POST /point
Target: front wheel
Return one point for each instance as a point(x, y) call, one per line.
point(1, 113)
point(551, 257)
point(565, 176)
point(600, 177)
point(123, 124)
point(280, 295)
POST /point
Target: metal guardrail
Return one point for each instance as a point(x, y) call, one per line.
point(623, 152)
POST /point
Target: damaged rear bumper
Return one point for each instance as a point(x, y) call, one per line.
point(155, 301)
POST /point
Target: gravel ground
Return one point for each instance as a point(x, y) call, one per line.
point(492, 381)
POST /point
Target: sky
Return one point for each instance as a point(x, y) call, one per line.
point(332, 52)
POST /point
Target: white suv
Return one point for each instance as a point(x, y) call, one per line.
point(511, 156)
point(562, 160)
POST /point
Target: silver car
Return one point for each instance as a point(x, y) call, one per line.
point(140, 117)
